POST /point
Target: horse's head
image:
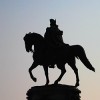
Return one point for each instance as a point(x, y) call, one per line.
point(33, 39)
point(28, 42)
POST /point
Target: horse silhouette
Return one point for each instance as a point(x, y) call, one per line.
point(41, 57)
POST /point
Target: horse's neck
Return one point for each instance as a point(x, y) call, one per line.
point(39, 46)
point(38, 42)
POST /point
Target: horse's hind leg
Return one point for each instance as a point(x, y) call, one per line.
point(76, 73)
point(63, 70)
point(30, 71)
point(46, 74)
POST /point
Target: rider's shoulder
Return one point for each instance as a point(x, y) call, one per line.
point(48, 29)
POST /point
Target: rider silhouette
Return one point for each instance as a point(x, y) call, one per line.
point(53, 35)
point(53, 38)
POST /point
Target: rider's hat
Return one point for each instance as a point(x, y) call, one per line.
point(53, 22)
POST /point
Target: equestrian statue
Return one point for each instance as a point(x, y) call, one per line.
point(50, 50)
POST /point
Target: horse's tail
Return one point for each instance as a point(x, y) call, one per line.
point(80, 53)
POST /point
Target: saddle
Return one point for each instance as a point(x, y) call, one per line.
point(53, 53)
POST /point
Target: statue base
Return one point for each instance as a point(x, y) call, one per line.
point(53, 92)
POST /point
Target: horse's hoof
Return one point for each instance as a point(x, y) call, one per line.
point(34, 79)
point(55, 83)
point(77, 84)
point(46, 84)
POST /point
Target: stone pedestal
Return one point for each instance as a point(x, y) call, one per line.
point(53, 92)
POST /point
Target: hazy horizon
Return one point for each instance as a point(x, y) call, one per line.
point(80, 22)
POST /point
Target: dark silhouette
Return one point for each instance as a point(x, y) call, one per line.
point(53, 35)
point(52, 92)
point(53, 39)
point(64, 54)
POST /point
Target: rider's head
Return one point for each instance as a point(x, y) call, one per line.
point(53, 22)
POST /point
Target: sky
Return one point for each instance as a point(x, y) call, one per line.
point(80, 22)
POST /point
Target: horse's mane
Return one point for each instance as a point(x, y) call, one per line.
point(30, 36)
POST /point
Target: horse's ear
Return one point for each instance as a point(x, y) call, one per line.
point(29, 33)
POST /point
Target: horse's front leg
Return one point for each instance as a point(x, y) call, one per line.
point(63, 70)
point(46, 74)
point(34, 65)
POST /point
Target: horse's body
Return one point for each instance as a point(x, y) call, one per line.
point(63, 56)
